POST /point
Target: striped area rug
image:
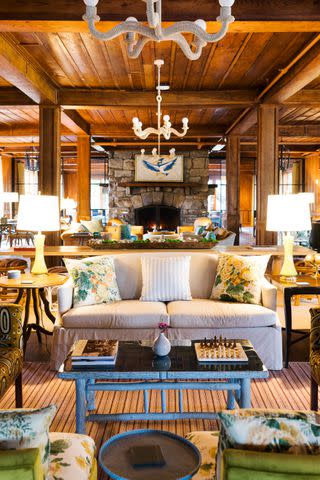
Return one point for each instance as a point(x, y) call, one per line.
point(288, 389)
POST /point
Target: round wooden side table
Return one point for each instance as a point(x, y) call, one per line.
point(35, 289)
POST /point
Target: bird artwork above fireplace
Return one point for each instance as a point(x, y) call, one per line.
point(163, 168)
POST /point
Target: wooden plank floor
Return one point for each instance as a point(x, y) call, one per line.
point(288, 389)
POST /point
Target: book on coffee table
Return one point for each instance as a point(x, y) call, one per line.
point(94, 352)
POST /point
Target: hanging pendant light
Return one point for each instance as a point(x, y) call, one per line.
point(166, 129)
point(138, 35)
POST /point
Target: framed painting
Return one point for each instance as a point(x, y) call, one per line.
point(166, 168)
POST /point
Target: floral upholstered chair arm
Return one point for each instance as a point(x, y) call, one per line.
point(11, 325)
point(315, 343)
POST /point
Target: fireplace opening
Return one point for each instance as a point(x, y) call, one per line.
point(160, 217)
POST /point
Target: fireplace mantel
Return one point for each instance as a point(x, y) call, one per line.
point(184, 185)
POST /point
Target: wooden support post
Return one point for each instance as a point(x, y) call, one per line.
point(267, 169)
point(84, 174)
point(50, 158)
point(233, 185)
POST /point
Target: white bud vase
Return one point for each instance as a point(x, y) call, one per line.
point(161, 345)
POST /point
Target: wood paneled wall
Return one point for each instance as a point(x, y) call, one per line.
point(7, 173)
point(246, 199)
point(312, 179)
point(70, 185)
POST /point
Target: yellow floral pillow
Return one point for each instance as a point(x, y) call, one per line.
point(238, 279)
point(207, 444)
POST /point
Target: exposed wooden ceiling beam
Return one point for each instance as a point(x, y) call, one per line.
point(301, 71)
point(305, 97)
point(72, 120)
point(61, 26)
point(252, 10)
point(19, 70)
point(76, 98)
point(12, 96)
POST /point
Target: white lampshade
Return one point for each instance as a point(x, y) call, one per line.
point(9, 197)
point(38, 213)
point(68, 204)
point(288, 213)
point(309, 197)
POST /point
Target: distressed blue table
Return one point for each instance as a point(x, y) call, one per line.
point(138, 369)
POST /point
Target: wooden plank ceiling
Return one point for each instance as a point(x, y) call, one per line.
point(255, 52)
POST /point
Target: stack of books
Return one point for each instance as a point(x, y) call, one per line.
point(93, 354)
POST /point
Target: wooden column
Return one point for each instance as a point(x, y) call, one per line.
point(50, 158)
point(267, 169)
point(84, 174)
point(233, 184)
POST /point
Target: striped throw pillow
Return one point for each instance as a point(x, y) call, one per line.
point(165, 279)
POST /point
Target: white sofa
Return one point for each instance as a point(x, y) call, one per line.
point(131, 319)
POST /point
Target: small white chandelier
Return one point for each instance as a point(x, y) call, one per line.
point(138, 35)
point(166, 130)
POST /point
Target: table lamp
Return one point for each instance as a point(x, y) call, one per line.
point(288, 213)
point(10, 197)
point(38, 213)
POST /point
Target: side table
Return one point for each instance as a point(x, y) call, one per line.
point(182, 458)
point(305, 285)
point(36, 290)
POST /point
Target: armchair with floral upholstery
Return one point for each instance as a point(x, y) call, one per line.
point(315, 356)
point(11, 349)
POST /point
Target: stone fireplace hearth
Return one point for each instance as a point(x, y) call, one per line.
point(191, 201)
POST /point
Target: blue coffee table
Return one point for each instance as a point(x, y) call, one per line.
point(182, 458)
point(179, 371)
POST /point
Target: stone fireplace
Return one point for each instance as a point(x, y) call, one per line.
point(191, 202)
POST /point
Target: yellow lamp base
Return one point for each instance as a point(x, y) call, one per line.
point(288, 271)
point(39, 266)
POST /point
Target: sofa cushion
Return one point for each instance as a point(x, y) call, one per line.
point(122, 314)
point(202, 313)
point(94, 280)
point(239, 278)
point(165, 279)
point(129, 272)
point(72, 456)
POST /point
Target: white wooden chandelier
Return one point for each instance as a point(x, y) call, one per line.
point(166, 129)
point(138, 35)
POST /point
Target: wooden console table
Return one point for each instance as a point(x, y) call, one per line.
point(84, 251)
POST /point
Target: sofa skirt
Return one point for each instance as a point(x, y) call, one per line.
point(267, 341)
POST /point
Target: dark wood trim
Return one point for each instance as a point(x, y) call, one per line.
point(243, 10)
point(18, 391)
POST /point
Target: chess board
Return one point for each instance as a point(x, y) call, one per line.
point(220, 351)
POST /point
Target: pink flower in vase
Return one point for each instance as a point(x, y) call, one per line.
point(163, 327)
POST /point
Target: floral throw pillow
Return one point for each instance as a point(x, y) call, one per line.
point(27, 428)
point(207, 444)
point(238, 279)
point(270, 431)
point(94, 280)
